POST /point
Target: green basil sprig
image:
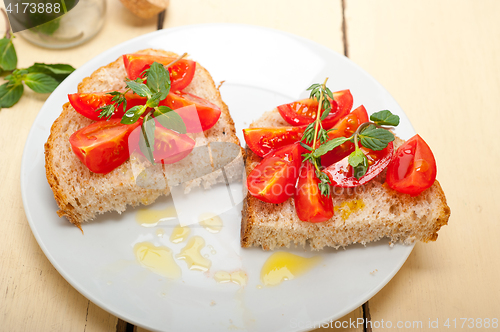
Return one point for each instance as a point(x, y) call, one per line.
point(43, 81)
point(155, 86)
point(370, 134)
point(40, 77)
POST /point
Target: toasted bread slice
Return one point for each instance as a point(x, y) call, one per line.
point(81, 194)
point(364, 214)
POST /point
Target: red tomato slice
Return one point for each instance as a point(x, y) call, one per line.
point(344, 100)
point(169, 146)
point(310, 205)
point(413, 168)
point(181, 73)
point(87, 103)
point(341, 173)
point(344, 128)
point(273, 180)
point(304, 111)
point(264, 140)
point(102, 146)
point(207, 113)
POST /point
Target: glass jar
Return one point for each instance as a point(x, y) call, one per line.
point(75, 27)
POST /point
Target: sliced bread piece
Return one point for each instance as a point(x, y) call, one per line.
point(363, 214)
point(81, 194)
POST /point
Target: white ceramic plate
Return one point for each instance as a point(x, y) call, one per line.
point(262, 68)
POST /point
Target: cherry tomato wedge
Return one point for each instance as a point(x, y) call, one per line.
point(264, 140)
point(207, 113)
point(303, 112)
point(102, 146)
point(344, 100)
point(169, 146)
point(413, 168)
point(341, 173)
point(310, 205)
point(181, 73)
point(344, 128)
point(87, 103)
point(273, 180)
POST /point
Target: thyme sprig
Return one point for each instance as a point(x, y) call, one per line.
point(315, 132)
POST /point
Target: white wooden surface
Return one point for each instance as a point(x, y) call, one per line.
point(440, 60)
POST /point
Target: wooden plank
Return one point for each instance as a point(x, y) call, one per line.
point(439, 59)
point(33, 296)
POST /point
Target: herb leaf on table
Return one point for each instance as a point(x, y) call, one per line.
point(40, 77)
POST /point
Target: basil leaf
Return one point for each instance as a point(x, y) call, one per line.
point(356, 158)
point(375, 138)
point(17, 76)
point(58, 71)
point(359, 163)
point(154, 100)
point(133, 114)
point(40, 83)
point(8, 56)
point(147, 139)
point(161, 110)
point(140, 88)
point(329, 146)
point(10, 94)
point(164, 109)
point(170, 120)
point(158, 79)
point(385, 118)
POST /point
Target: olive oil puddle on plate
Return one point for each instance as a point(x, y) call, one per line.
point(151, 217)
point(238, 277)
point(179, 234)
point(282, 266)
point(159, 260)
point(191, 253)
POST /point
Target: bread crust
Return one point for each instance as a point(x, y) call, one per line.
point(364, 214)
point(81, 194)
